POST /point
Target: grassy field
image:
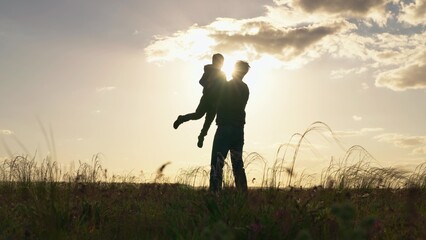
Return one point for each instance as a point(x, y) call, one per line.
point(52, 210)
point(353, 198)
point(40, 201)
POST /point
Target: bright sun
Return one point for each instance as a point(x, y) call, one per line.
point(263, 64)
point(228, 65)
point(227, 68)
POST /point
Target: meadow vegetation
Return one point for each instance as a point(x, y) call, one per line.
point(353, 198)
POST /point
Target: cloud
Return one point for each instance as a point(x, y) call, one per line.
point(412, 75)
point(379, 50)
point(365, 86)
point(356, 118)
point(420, 150)
point(355, 133)
point(352, 7)
point(336, 74)
point(394, 49)
point(251, 39)
point(361, 9)
point(413, 13)
point(193, 43)
point(402, 141)
point(282, 43)
point(105, 89)
point(292, 33)
point(397, 62)
point(417, 144)
point(6, 132)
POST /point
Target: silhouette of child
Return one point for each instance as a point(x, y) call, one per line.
point(212, 81)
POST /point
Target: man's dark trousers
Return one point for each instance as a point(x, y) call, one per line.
point(228, 139)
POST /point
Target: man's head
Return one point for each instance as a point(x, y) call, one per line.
point(240, 70)
point(217, 60)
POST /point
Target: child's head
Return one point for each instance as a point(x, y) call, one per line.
point(217, 60)
point(240, 69)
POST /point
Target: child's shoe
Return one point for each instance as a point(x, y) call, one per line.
point(178, 122)
point(200, 141)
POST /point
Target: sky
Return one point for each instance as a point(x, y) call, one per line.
point(79, 78)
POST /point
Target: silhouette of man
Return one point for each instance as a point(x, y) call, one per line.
point(212, 81)
point(230, 131)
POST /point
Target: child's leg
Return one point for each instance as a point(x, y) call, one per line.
point(210, 115)
point(199, 113)
point(193, 116)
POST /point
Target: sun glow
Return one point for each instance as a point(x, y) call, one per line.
point(228, 68)
point(230, 60)
point(265, 63)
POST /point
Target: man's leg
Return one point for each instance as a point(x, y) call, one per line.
point(220, 150)
point(211, 113)
point(237, 160)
